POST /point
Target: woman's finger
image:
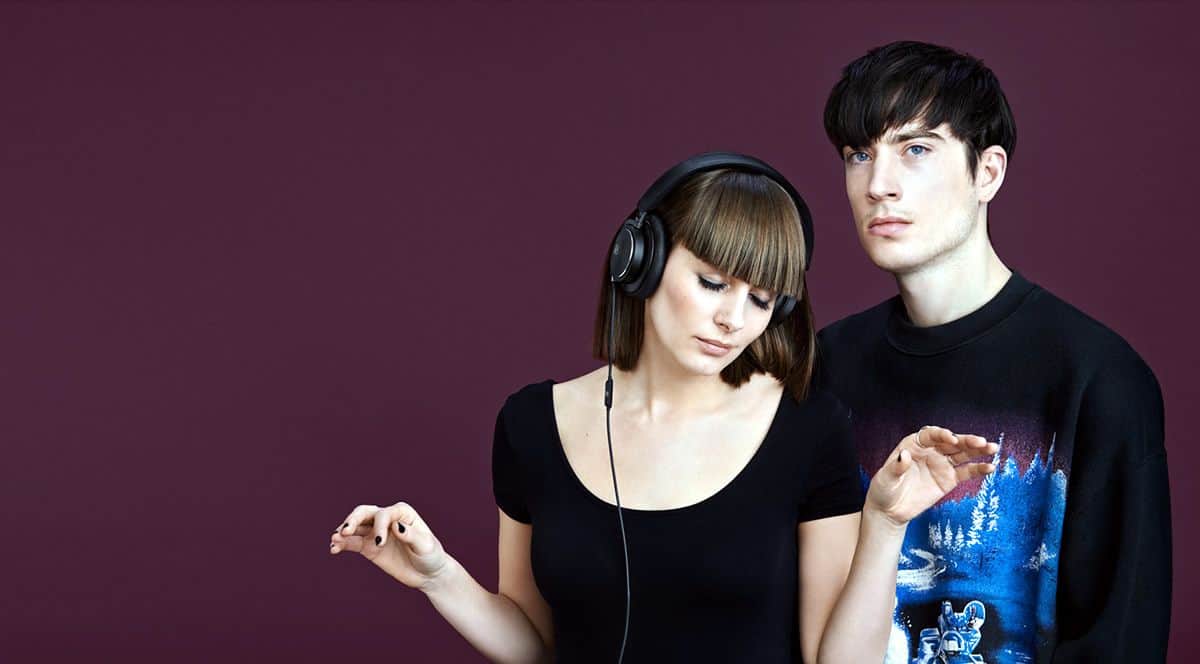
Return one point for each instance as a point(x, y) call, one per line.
point(358, 516)
point(353, 543)
point(931, 436)
point(977, 447)
point(968, 471)
point(361, 531)
point(959, 447)
point(384, 519)
point(417, 534)
point(900, 463)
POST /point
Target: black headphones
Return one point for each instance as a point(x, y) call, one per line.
point(639, 249)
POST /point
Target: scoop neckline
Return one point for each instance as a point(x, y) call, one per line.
point(548, 387)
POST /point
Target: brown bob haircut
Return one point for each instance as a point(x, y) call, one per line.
point(746, 226)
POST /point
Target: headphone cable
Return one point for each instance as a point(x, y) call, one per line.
point(608, 388)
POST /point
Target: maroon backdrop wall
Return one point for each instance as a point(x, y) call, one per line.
point(261, 263)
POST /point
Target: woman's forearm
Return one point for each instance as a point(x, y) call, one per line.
point(490, 622)
point(861, 621)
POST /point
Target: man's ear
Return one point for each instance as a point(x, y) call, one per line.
point(989, 172)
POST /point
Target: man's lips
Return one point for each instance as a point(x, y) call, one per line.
point(887, 226)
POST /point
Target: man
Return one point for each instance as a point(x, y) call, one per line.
point(1064, 553)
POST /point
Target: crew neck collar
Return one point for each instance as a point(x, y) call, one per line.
point(908, 338)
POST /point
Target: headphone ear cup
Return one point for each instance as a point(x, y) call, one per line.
point(783, 308)
point(626, 256)
point(654, 237)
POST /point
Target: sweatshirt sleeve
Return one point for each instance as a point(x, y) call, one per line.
point(1114, 592)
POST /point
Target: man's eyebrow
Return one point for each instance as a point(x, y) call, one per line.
point(900, 138)
point(908, 136)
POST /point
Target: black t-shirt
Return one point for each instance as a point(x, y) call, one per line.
point(715, 581)
point(1064, 553)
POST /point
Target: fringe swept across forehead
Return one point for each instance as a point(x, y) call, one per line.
point(743, 224)
point(905, 82)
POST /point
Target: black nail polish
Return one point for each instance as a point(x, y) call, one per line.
point(378, 540)
point(400, 527)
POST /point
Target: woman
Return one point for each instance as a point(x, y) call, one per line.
point(742, 532)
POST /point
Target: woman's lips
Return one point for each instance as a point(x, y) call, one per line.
point(712, 347)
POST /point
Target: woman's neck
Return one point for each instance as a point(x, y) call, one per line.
point(659, 389)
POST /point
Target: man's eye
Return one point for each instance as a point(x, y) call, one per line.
point(858, 157)
point(917, 150)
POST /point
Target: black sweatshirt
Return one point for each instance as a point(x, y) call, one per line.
point(715, 581)
point(1064, 553)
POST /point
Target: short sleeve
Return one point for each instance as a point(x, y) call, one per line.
point(834, 485)
point(507, 481)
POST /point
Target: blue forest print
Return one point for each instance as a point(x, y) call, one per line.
point(979, 570)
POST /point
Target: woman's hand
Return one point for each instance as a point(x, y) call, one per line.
point(924, 467)
point(397, 540)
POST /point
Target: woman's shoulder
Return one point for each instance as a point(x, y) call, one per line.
point(820, 408)
point(527, 398)
point(576, 390)
point(537, 396)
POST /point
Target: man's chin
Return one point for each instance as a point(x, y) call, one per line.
point(895, 262)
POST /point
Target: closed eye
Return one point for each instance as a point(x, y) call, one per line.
point(718, 287)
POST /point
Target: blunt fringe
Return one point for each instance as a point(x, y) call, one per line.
point(747, 226)
point(908, 81)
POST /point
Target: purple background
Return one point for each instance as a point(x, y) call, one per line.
point(261, 263)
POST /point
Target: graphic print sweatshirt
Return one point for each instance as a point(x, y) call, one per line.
point(1064, 553)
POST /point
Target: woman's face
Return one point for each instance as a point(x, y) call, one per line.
point(702, 318)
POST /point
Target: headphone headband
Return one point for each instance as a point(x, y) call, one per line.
point(710, 161)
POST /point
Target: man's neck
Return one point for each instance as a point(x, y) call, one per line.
point(954, 285)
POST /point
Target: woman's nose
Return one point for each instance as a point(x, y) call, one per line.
point(731, 316)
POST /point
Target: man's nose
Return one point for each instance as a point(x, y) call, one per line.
point(884, 183)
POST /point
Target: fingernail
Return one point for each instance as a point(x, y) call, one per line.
point(378, 540)
point(400, 526)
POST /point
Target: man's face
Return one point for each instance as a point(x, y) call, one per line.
point(912, 199)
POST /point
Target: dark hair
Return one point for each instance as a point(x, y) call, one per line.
point(747, 226)
point(909, 81)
